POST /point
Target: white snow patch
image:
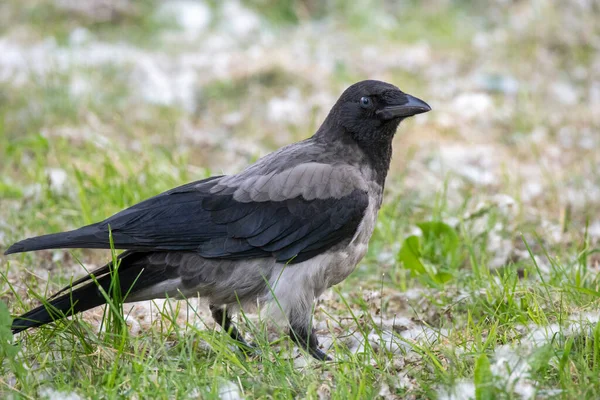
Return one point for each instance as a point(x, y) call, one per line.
point(461, 391)
point(239, 20)
point(156, 77)
point(396, 337)
point(580, 324)
point(413, 58)
point(513, 370)
point(384, 391)
point(79, 36)
point(498, 246)
point(594, 230)
point(387, 340)
point(79, 86)
point(416, 293)
point(232, 118)
point(33, 191)
point(193, 16)
point(229, 391)
point(471, 105)
point(288, 109)
point(474, 163)
point(505, 203)
point(52, 394)
point(57, 178)
point(582, 196)
point(564, 93)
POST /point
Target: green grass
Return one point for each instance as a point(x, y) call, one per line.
point(109, 21)
point(173, 359)
point(429, 312)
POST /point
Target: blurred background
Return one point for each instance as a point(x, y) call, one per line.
point(104, 103)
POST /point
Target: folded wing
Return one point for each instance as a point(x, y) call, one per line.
point(291, 215)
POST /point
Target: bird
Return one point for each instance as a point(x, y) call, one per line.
point(283, 230)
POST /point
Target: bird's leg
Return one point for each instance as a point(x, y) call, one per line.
point(222, 317)
point(306, 338)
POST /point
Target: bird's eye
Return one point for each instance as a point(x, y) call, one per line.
point(365, 102)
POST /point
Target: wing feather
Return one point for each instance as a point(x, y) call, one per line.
point(291, 215)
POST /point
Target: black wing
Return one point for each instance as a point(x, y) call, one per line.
point(191, 218)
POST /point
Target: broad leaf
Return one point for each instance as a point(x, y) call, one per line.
point(410, 254)
point(484, 385)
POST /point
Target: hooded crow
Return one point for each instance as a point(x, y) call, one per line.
point(281, 231)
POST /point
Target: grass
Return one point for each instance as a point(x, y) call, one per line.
point(429, 313)
point(108, 21)
point(172, 359)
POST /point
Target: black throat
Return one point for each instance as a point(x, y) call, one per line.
point(376, 148)
point(379, 154)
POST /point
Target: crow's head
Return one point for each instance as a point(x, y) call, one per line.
point(372, 110)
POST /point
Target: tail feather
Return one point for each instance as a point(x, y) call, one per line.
point(86, 237)
point(79, 300)
point(135, 274)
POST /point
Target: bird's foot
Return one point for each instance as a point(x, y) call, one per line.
point(319, 355)
point(308, 342)
point(223, 318)
point(249, 349)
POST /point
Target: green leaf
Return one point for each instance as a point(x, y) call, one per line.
point(440, 232)
point(443, 277)
point(484, 379)
point(8, 191)
point(434, 256)
point(7, 349)
point(584, 290)
point(410, 254)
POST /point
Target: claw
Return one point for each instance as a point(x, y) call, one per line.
point(308, 342)
point(319, 355)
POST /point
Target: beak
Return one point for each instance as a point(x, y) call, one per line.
point(412, 107)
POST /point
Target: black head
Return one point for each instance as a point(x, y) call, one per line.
point(368, 114)
point(372, 110)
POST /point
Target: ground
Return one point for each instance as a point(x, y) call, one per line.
point(482, 278)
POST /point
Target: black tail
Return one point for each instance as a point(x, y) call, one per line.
point(86, 237)
point(71, 303)
point(133, 277)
